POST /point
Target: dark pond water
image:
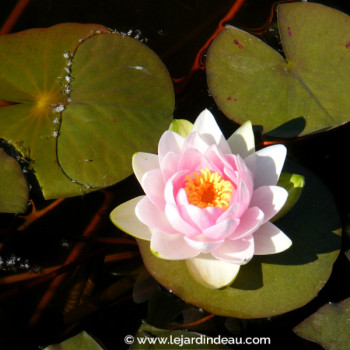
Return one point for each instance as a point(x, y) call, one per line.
point(176, 30)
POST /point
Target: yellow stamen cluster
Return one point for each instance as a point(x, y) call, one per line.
point(208, 189)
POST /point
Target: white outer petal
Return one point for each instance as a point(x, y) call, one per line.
point(238, 251)
point(269, 239)
point(206, 126)
point(124, 217)
point(270, 199)
point(242, 141)
point(211, 272)
point(266, 165)
point(143, 162)
point(169, 142)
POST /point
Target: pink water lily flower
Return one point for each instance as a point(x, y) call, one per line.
point(208, 200)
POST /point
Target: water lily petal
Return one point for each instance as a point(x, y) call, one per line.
point(241, 196)
point(202, 217)
point(242, 141)
point(211, 272)
point(251, 220)
point(143, 162)
point(169, 142)
point(173, 185)
point(153, 185)
point(222, 229)
point(153, 217)
point(270, 199)
point(269, 239)
point(195, 141)
point(266, 165)
point(231, 212)
point(245, 173)
point(197, 217)
point(170, 165)
point(178, 223)
point(124, 217)
point(172, 247)
point(206, 126)
point(238, 251)
point(203, 244)
point(190, 160)
point(217, 159)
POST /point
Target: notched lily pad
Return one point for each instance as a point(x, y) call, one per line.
point(303, 93)
point(31, 78)
point(13, 186)
point(122, 101)
point(329, 326)
point(80, 101)
point(272, 284)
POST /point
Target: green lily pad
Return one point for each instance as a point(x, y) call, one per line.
point(328, 327)
point(303, 93)
point(81, 341)
point(13, 186)
point(272, 284)
point(163, 308)
point(83, 100)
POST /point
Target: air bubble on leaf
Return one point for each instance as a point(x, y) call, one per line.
point(140, 68)
point(58, 109)
point(67, 55)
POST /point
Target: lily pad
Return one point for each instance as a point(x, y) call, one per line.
point(272, 284)
point(13, 186)
point(81, 341)
point(328, 327)
point(304, 92)
point(82, 99)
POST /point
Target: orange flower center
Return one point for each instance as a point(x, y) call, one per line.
point(208, 189)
